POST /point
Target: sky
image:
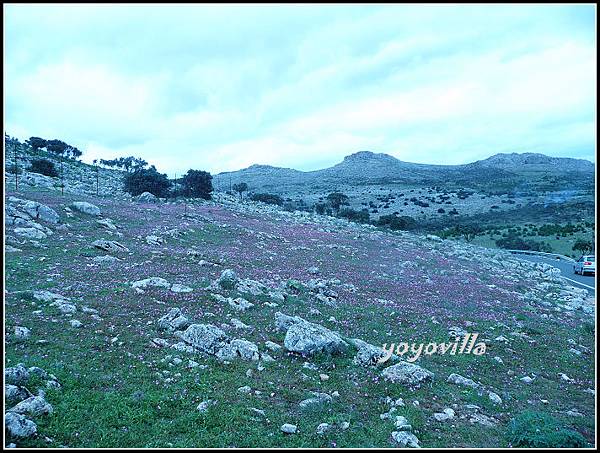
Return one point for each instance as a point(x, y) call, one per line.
point(222, 87)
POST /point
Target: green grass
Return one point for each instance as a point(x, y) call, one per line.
point(114, 394)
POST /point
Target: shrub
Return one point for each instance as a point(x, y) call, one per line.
point(396, 222)
point(514, 242)
point(537, 430)
point(197, 184)
point(146, 180)
point(322, 208)
point(355, 216)
point(44, 167)
point(267, 198)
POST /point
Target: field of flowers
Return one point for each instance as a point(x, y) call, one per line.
point(120, 388)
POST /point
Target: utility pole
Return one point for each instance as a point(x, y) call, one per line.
point(97, 179)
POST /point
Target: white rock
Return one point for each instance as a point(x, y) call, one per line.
point(19, 426)
point(178, 288)
point(22, 333)
point(494, 398)
point(288, 428)
point(85, 207)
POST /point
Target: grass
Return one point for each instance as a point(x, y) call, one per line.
point(118, 393)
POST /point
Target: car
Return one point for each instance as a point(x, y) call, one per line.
point(585, 265)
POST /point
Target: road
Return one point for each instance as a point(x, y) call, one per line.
point(566, 268)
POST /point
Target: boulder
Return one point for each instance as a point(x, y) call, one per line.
point(85, 207)
point(288, 428)
point(173, 320)
point(179, 288)
point(109, 246)
point(154, 240)
point(108, 223)
point(152, 281)
point(228, 279)
point(19, 426)
point(37, 180)
point(253, 287)
point(460, 380)
point(205, 337)
point(16, 375)
point(317, 399)
point(34, 406)
point(239, 348)
point(368, 354)
point(147, 197)
point(405, 439)
point(407, 373)
point(14, 394)
point(22, 333)
point(307, 339)
point(39, 211)
point(30, 233)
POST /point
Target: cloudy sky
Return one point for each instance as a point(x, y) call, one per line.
point(222, 87)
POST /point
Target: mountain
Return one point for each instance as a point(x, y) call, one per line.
point(366, 167)
point(535, 162)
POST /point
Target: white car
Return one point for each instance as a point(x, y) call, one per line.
point(585, 265)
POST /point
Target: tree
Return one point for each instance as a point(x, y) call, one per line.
point(337, 199)
point(73, 152)
point(468, 232)
point(240, 188)
point(146, 180)
point(57, 147)
point(197, 184)
point(582, 245)
point(36, 143)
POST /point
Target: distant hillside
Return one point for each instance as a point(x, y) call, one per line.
point(366, 167)
point(535, 162)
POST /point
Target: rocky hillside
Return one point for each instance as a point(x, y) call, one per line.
point(78, 177)
point(515, 185)
point(366, 167)
point(524, 162)
point(218, 324)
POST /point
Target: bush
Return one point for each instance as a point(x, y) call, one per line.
point(396, 222)
point(44, 167)
point(267, 198)
point(197, 184)
point(355, 216)
point(146, 180)
point(514, 242)
point(536, 430)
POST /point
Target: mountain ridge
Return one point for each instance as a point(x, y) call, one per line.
point(366, 166)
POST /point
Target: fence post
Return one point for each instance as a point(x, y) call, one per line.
point(62, 177)
point(16, 170)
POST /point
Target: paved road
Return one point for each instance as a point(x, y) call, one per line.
point(566, 267)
